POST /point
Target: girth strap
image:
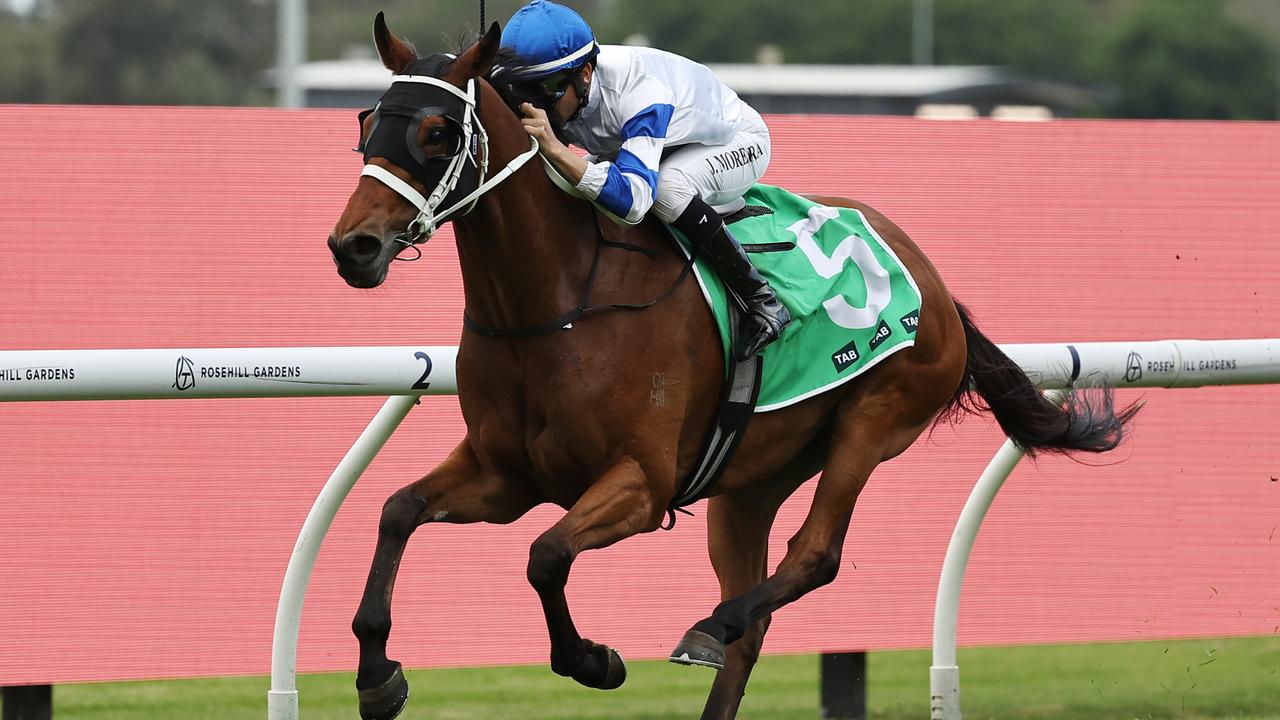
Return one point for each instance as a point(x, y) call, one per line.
point(742, 389)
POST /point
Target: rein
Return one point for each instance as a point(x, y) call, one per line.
point(565, 321)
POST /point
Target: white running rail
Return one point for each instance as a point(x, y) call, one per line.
point(184, 373)
point(403, 373)
point(1164, 363)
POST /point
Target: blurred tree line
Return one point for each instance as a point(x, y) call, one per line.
point(1162, 58)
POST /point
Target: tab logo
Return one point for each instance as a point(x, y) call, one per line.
point(845, 356)
point(910, 321)
point(882, 333)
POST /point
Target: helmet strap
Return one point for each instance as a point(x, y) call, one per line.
point(579, 87)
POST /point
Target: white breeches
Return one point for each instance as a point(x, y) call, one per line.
point(719, 174)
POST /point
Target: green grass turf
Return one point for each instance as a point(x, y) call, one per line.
point(1232, 679)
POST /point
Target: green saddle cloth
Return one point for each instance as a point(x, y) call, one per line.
point(852, 302)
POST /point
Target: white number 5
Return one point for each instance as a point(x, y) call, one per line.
point(851, 248)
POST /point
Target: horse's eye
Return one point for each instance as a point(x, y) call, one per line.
point(435, 136)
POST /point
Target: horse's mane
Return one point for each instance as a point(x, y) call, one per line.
point(457, 46)
point(465, 40)
point(505, 60)
point(511, 93)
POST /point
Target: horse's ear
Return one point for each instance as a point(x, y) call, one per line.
point(478, 59)
point(396, 54)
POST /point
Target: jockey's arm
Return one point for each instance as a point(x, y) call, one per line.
point(571, 165)
point(566, 161)
point(626, 186)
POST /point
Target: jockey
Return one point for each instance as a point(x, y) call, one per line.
point(663, 133)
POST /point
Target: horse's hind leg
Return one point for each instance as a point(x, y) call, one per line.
point(459, 490)
point(738, 540)
point(865, 434)
point(618, 505)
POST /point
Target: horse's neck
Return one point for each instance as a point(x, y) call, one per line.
point(525, 252)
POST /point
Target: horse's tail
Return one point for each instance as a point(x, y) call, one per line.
point(1085, 421)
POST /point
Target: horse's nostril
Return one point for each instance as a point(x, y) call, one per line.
point(363, 247)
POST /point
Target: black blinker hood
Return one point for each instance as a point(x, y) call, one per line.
point(397, 117)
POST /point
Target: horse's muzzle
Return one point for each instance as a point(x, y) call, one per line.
point(359, 257)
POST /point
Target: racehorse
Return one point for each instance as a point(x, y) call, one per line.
point(557, 398)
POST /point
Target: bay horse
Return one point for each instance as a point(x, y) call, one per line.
point(558, 404)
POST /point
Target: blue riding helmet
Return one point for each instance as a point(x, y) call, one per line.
point(550, 38)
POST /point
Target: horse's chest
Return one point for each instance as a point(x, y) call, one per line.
point(561, 426)
point(550, 447)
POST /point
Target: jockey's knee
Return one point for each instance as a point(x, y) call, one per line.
point(673, 196)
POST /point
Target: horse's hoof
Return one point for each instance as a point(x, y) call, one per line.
point(615, 670)
point(699, 648)
point(387, 700)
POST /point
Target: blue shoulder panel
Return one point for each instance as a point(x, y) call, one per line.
point(649, 122)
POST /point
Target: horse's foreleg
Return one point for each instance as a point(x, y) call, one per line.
point(738, 541)
point(620, 504)
point(459, 490)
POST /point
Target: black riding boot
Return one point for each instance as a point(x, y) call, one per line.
point(764, 316)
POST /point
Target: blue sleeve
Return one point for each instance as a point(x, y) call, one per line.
point(626, 186)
